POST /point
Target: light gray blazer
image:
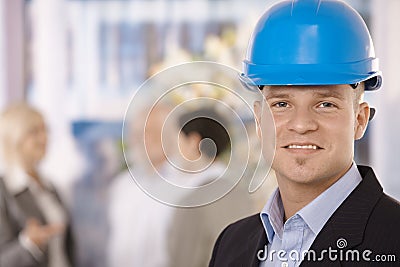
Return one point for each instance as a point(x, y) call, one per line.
point(14, 211)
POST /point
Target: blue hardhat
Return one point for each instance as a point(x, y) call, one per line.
point(311, 42)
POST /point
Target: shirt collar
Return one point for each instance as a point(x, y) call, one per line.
point(272, 216)
point(317, 212)
point(17, 180)
point(183, 178)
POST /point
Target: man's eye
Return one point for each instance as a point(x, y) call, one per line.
point(280, 104)
point(326, 105)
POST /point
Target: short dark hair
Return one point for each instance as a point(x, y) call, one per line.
point(208, 124)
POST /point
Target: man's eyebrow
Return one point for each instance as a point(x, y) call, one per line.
point(329, 94)
point(272, 94)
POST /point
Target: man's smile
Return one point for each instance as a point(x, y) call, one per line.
point(303, 147)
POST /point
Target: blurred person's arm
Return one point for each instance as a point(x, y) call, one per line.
point(12, 251)
point(21, 247)
point(35, 236)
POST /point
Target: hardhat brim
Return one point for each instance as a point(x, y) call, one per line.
point(312, 74)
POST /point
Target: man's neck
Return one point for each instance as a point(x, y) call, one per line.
point(296, 196)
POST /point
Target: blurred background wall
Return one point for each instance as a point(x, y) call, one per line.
point(80, 61)
point(385, 142)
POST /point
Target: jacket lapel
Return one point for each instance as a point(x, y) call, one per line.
point(345, 229)
point(27, 204)
point(255, 242)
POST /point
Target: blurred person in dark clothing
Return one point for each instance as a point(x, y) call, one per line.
point(34, 228)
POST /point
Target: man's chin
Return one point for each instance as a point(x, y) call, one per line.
point(300, 170)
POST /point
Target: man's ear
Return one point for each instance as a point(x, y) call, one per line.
point(257, 112)
point(362, 118)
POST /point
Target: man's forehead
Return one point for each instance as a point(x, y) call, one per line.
point(338, 91)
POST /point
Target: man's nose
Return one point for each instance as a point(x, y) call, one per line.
point(302, 120)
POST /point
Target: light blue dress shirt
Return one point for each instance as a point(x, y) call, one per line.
point(288, 241)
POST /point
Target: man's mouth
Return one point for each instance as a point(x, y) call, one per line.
point(303, 146)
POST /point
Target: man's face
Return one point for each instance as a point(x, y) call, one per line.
point(315, 131)
point(146, 137)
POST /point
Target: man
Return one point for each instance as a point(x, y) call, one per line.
point(202, 140)
point(139, 223)
point(146, 232)
point(313, 60)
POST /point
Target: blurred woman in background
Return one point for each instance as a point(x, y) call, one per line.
point(34, 229)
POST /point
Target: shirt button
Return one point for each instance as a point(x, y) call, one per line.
point(285, 264)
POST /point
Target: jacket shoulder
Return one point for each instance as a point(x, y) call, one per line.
point(382, 230)
point(241, 229)
point(235, 239)
point(386, 213)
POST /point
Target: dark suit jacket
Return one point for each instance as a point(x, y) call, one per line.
point(368, 220)
point(14, 211)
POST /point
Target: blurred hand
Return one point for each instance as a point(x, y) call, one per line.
point(41, 234)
